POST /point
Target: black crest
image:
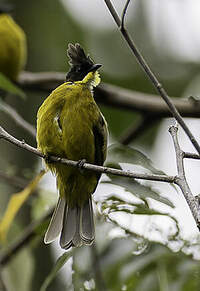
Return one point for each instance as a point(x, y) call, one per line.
point(79, 62)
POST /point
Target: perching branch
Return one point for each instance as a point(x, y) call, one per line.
point(100, 169)
point(181, 179)
point(151, 75)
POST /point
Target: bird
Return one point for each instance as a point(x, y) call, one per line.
point(13, 47)
point(70, 125)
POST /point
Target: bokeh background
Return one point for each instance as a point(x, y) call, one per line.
point(167, 34)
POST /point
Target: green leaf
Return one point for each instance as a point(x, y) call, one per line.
point(137, 189)
point(114, 204)
point(119, 205)
point(8, 86)
point(118, 153)
point(59, 264)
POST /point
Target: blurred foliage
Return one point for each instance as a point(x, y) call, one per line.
point(58, 265)
point(124, 154)
point(15, 203)
point(128, 255)
point(8, 86)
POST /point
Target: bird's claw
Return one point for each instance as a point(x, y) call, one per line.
point(47, 158)
point(81, 163)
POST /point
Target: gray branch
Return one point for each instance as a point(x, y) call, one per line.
point(181, 178)
point(124, 14)
point(100, 169)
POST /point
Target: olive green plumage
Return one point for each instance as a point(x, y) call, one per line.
point(12, 47)
point(70, 125)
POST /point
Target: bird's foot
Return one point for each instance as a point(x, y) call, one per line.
point(47, 158)
point(80, 164)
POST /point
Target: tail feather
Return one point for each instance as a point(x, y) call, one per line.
point(75, 224)
point(70, 231)
point(56, 223)
point(78, 226)
point(87, 231)
point(76, 240)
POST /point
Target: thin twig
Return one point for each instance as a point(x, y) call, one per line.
point(181, 179)
point(124, 13)
point(17, 118)
point(137, 129)
point(191, 156)
point(100, 169)
point(151, 76)
point(25, 237)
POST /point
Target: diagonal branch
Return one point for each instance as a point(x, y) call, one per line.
point(100, 169)
point(17, 118)
point(151, 75)
point(181, 179)
point(124, 13)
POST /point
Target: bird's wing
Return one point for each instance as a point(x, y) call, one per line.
point(100, 139)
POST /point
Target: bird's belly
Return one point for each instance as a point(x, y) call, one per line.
point(79, 143)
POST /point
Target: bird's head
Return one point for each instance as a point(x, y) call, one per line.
point(80, 64)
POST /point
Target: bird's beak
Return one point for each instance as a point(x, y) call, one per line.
point(95, 67)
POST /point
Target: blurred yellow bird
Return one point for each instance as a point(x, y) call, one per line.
point(70, 125)
point(12, 45)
